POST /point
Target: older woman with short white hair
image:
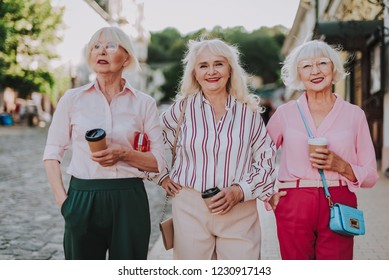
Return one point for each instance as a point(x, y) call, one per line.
point(106, 207)
point(302, 210)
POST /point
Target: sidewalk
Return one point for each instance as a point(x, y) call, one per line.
point(374, 245)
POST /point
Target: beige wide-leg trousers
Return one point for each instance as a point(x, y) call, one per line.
point(200, 235)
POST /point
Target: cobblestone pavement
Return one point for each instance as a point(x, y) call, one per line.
point(31, 226)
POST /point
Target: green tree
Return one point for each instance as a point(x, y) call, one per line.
point(166, 51)
point(172, 75)
point(260, 52)
point(161, 44)
point(28, 33)
point(103, 4)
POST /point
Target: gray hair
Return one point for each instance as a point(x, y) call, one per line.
point(114, 34)
point(309, 50)
point(237, 85)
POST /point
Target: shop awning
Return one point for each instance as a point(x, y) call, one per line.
point(352, 35)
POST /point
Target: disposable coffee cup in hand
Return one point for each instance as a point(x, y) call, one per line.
point(96, 139)
point(207, 196)
point(314, 143)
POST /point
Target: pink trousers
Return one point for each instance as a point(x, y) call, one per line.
point(302, 218)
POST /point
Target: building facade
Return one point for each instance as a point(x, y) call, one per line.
point(361, 28)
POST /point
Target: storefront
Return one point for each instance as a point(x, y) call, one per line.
point(363, 42)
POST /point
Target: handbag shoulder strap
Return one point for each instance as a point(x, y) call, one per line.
point(304, 120)
point(321, 172)
point(181, 118)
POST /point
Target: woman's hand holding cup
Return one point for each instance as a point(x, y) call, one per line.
point(315, 143)
point(318, 152)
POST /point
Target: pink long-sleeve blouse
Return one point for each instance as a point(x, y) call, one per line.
point(348, 134)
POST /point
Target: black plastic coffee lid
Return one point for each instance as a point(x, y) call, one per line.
point(210, 192)
point(95, 134)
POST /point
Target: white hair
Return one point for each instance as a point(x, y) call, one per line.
point(237, 85)
point(310, 50)
point(114, 34)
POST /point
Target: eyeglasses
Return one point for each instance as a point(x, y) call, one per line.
point(323, 64)
point(110, 47)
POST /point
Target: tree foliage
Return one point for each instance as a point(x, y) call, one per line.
point(28, 33)
point(161, 45)
point(260, 52)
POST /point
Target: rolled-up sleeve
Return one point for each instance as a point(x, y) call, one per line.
point(59, 134)
point(153, 129)
point(169, 122)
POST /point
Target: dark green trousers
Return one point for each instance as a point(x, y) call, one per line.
point(106, 215)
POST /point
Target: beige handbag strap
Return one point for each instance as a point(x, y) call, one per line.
point(178, 129)
point(180, 119)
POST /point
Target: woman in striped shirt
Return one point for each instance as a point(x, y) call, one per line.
point(222, 143)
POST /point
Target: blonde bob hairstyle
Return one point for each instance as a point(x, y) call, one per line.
point(113, 34)
point(237, 84)
point(307, 51)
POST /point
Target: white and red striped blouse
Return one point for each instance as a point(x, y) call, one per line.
point(235, 150)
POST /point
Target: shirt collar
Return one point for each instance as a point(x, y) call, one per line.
point(230, 100)
point(128, 88)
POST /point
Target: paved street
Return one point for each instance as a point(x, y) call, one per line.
point(31, 226)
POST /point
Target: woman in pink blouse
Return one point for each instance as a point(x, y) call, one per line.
point(222, 143)
point(349, 162)
point(106, 207)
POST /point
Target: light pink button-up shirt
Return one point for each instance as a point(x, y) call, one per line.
point(347, 131)
point(210, 153)
point(86, 108)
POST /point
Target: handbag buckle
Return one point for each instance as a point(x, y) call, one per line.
point(354, 223)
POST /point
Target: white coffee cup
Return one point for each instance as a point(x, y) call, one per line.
point(319, 142)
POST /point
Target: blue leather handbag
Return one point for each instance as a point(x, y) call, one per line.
point(344, 219)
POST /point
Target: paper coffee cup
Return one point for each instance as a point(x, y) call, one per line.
point(207, 196)
point(96, 139)
point(314, 143)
